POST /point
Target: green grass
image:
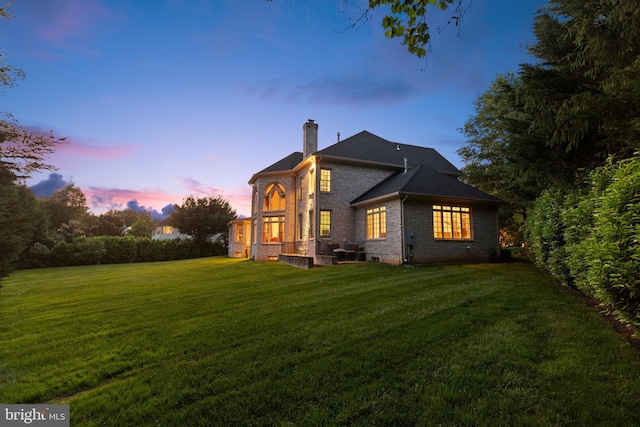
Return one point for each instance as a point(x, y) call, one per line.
point(219, 341)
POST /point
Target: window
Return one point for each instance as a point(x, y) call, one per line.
point(254, 227)
point(451, 222)
point(273, 231)
point(164, 229)
point(239, 232)
point(325, 180)
point(300, 226)
point(325, 223)
point(377, 223)
point(274, 198)
point(311, 224)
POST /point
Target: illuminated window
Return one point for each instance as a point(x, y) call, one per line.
point(451, 222)
point(239, 232)
point(377, 223)
point(254, 207)
point(167, 229)
point(325, 180)
point(273, 229)
point(325, 223)
point(311, 182)
point(254, 235)
point(274, 198)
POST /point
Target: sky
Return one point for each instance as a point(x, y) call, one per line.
point(164, 99)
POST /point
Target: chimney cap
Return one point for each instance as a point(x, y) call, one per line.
point(309, 120)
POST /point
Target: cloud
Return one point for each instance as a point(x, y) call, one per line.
point(46, 187)
point(107, 151)
point(359, 90)
point(103, 199)
point(65, 24)
point(165, 212)
point(195, 187)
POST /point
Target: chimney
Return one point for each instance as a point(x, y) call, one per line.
point(310, 139)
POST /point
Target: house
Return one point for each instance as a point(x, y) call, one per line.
point(379, 200)
point(169, 232)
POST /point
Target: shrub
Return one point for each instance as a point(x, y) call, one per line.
point(119, 249)
point(613, 249)
point(39, 256)
point(63, 253)
point(149, 249)
point(180, 249)
point(591, 238)
point(89, 250)
point(545, 234)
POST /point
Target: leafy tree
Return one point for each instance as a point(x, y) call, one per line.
point(66, 204)
point(17, 221)
point(8, 73)
point(142, 226)
point(202, 218)
point(407, 20)
point(554, 120)
point(24, 150)
point(71, 230)
point(109, 223)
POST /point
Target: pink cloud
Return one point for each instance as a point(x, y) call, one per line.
point(239, 197)
point(105, 151)
point(102, 199)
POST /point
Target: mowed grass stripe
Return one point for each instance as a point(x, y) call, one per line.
point(219, 341)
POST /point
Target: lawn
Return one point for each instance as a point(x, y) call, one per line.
point(219, 341)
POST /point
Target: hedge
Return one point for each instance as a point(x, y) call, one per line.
point(114, 250)
point(590, 238)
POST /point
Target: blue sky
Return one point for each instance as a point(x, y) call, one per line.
point(162, 99)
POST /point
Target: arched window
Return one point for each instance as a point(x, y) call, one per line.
point(274, 198)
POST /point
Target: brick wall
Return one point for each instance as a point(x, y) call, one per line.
point(347, 183)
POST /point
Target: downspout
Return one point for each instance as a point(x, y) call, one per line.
point(402, 230)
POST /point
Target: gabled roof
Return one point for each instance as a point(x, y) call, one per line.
point(429, 173)
point(283, 165)
point(368, 147)
point(425, 181)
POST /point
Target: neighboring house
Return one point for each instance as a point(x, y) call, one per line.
point(167, 232)
point(389, 202)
